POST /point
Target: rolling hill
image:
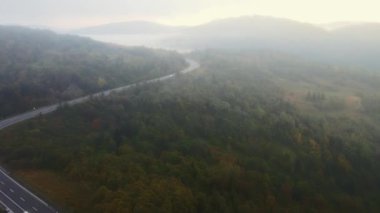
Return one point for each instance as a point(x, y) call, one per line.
point(350, 44)
point(40, 67)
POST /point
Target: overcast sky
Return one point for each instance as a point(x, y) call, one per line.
point(78, 13)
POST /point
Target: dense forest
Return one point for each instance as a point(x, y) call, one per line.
point(247, 132)
point(40, 67)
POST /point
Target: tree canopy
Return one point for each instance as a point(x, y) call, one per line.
point(232, 137)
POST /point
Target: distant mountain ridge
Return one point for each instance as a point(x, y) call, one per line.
point(131, 27)
point(356, 44)
point(253, 25)
point(352, 44)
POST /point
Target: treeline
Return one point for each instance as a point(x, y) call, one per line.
point(220, 140)
point(40, 67)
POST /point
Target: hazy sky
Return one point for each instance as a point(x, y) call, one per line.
point(77, 13)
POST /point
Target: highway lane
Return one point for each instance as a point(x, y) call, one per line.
point(193, 65)
point(16, 198)
point(9, 204)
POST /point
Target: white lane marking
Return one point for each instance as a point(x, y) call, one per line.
point(21, 198)
point(37, 198)
point(10, 199)
point(11, 190)
point(35, 209)
point(6, 207)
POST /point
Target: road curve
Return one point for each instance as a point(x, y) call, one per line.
point(16, 198)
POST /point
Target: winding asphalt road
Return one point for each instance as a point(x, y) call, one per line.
point(193, 65)
point(16, 198)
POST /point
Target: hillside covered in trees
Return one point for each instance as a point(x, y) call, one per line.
point(248, 132)
point(40, 67)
